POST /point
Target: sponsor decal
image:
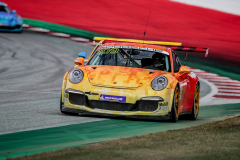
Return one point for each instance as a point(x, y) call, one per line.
point(129, 47)
point(108, 50)
point(163, 108)
point(193, 75)
point(183, 84)
point(180, 95)
point(160, 104)
point(163, 105)
point(104, 97)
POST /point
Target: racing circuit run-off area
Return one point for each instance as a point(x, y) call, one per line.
point(119, 79)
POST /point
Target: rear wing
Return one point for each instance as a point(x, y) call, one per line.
point(103, 40)
point(191, 49)
point(175, 46)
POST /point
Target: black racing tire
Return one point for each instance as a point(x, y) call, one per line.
point(175, 106)
point(195, 108)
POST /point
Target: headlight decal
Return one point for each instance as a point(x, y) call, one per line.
point(159, 83)
point(19, 18)
point(76, 75)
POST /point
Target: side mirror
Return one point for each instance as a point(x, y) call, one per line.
point(13, 11)
point(79, 61)
point(82, 54)
point(184, 70)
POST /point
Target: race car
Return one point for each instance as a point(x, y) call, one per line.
point(127, 78)
point(9, 20)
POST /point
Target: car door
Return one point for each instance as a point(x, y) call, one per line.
point(183, 84)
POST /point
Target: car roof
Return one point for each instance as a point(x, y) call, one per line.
point(3, 4)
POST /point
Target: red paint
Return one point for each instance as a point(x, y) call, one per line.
point(229, 92)
point(229, 88)
point(227, 85)
point(227, 97)
point(169, 21)
point(224, 82)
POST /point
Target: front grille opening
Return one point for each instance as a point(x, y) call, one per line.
point(142, 105)
point(77, 99)
point(11, 27)
point(148, 105)
point(113, 106)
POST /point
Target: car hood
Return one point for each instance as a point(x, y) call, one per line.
point(117, 76)
point(4, 16)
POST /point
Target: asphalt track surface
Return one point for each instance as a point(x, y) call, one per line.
point(32, 66)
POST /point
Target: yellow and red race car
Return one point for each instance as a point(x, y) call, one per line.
point(131, 78)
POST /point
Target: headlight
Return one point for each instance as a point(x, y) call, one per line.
point(76, 76)
point(159, 83)
point(19, 17)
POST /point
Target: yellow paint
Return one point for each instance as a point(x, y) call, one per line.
point(139, 41)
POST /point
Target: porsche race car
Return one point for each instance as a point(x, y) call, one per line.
point(9, 20)
point(128, 78)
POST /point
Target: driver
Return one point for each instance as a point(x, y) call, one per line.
point(156, 62)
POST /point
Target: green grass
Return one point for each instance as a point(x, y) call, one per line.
point(219, 140)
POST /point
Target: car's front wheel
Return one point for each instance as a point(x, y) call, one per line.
point(175, 105)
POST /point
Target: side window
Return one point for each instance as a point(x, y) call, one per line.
point(176, 62)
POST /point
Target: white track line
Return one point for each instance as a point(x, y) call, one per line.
point(229, 90)
point(224, 85)
point(229, 94)
point(63, 35)
point(60, 34)
point(208, 97)
point(39, 30)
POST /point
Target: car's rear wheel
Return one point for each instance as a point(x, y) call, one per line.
point(175, 106)
point(195, 108)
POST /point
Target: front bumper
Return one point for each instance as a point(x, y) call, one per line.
point(15, 28)
point(148, 117)
point(147, 107)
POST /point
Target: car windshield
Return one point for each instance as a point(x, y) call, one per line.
point(4, 9)
point(132, 57)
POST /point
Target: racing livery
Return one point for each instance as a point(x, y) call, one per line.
point(9, 20)
point(123, 77)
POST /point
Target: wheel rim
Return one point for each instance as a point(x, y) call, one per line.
point(176, 105)
point(196, 100)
